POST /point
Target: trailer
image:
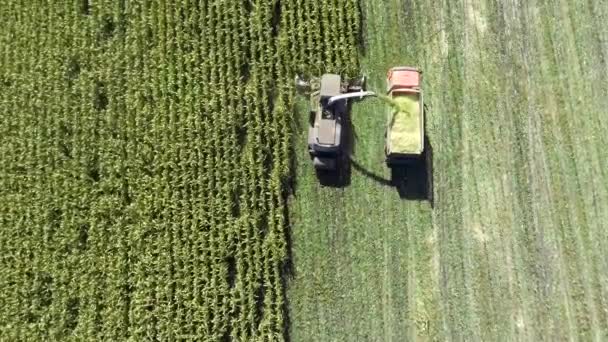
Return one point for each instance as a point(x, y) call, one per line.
point(407, 149)
point(405, 127)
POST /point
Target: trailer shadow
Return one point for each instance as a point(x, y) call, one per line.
point(408, 180)
point(415, 181)
point(412, 181)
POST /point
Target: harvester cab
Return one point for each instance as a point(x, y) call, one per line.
point(325, 132)
point(329, 106)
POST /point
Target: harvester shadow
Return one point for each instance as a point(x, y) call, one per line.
point(369, 174)
point(332, 178)
point(339, 178)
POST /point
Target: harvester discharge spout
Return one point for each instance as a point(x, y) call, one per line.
point(359, 94)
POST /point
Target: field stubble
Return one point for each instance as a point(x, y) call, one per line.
point(513, 248)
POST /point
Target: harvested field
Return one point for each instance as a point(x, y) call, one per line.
point(515, 244)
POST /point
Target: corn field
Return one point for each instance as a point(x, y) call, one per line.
point(145, 152)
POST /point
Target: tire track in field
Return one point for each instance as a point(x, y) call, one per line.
point(424, 241)
point(420, 317)
point(443, 268)
point(531, 276)
point(489, 181)
point(432, 47)
point(534, 249)
point(526, 270)
point(557, 287)
point(587, 156)
point(567, 175)
point(543, 213)
point(590, 136)
point(448, 182)
point(478, 218)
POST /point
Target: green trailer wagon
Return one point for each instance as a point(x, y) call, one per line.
point(408, 152)
point(405, 129)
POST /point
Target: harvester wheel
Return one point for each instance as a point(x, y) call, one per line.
point(302, 85)
point(357, 84)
